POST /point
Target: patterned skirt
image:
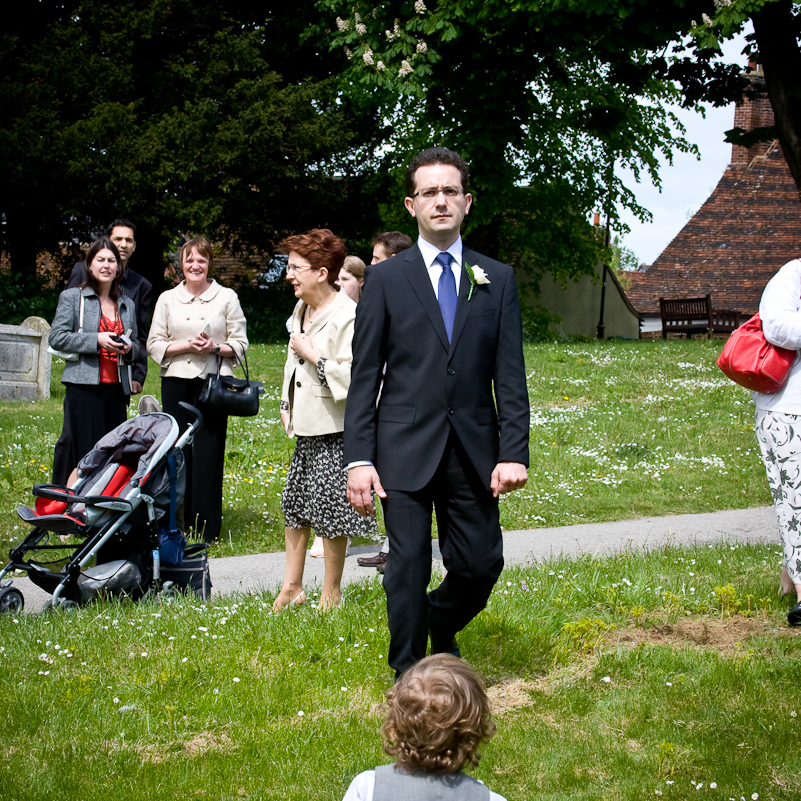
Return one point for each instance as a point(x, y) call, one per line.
point(315, 494)
point(779, 437)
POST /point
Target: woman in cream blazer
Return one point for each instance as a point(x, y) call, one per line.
point(196, 325)
point(313, 396)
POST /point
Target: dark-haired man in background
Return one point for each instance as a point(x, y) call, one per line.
point(134, 286)
point(450, 433)
point(385, 246)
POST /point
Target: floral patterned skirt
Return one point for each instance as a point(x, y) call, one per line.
point(315, 494)
point(779, 437)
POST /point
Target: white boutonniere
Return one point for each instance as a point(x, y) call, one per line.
point(476, 276)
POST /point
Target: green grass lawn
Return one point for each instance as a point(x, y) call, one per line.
point(665, 675)
point(619, 430)
point(668, 675)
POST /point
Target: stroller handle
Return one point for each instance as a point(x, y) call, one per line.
point(197, 421)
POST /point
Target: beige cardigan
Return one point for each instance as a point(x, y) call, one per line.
point(316, 409)
point(179, 315)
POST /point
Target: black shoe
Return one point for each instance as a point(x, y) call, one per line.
point(379, 561)
point(443, 644)
point(794, 615)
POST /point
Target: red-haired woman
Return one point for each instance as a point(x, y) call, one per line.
point(194, 325)
point(316, 382)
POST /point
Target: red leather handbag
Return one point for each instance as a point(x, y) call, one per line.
point(751, 361)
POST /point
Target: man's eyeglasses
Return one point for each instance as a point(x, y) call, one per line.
point(432, 192)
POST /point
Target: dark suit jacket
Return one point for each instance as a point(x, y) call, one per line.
point(476, 384)
point(140, 291)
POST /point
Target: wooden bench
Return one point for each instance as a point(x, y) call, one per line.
point(725, 322)
point(686, 315)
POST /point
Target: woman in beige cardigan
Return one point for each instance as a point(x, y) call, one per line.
point(195, 325)
point(316, 382)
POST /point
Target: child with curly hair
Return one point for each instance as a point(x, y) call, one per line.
point(437, 716)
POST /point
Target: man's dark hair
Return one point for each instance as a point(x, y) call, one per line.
point(392, 241)
point(121, 223)
point(436, 155)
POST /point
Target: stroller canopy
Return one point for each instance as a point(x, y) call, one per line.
point(146, 438)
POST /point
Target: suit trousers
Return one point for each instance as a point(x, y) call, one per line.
point(204, 460)
point(471, 545)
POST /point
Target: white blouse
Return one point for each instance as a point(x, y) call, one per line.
point(780, 312)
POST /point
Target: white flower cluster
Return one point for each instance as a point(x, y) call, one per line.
point(420, 7)
point(706, 19)
point(343, 25)
point(396, 28)
point(422, 47)
point(380, 66)
point(361, 28)
point(405, 68)
point(389, 34)
point(723, 3)
point(348, 53)
point(368, 56)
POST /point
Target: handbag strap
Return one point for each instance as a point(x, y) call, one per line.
point(80, 316)
point(173, 473)
point(243, 360)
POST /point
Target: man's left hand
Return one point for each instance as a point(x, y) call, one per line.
point(507, 477)
point(136, 387)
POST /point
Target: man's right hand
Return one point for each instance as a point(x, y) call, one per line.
point(361, 480)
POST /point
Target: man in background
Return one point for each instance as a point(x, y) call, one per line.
point(134, 286)
point(385, 246)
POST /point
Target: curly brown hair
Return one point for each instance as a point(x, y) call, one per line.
point(322, 247)
point(437, 716)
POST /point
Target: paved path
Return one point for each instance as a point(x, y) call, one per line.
point(265, 571)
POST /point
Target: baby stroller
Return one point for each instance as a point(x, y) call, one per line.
point(108, 533)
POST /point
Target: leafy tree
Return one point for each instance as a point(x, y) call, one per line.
point(550, 95)
point(186, 115)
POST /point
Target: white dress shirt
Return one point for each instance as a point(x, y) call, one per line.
point(430, 253)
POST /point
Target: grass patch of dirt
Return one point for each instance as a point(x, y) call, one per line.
point(725, 636)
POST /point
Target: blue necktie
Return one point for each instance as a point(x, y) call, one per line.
point(447, 292)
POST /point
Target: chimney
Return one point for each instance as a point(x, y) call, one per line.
point(752, 113)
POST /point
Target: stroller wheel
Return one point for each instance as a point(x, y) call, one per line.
point(63, 605)
point(12, 601)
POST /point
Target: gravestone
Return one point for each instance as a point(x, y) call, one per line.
point(24, 360)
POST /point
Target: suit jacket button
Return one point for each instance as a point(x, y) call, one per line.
point(297, 383)
point(451, 371)
point(450, 411)
point(300, 361)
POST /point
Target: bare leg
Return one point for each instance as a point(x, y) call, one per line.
point(335, 550)
point(786, 583)
point(317, 547)
point(292, 588)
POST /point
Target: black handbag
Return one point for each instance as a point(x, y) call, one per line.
point(226, 394)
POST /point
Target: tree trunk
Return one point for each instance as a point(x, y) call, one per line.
point(775, 29)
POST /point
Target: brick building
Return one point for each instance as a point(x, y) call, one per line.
point(746, 230)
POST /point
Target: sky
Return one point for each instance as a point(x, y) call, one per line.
point(688, 182)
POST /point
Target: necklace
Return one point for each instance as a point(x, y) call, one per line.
point(319, 307)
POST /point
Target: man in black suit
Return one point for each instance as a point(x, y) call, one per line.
point(450, 432)
point(134, 286)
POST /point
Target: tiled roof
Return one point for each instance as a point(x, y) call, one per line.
point(748, 228)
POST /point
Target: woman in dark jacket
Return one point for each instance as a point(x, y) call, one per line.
point(96, 322)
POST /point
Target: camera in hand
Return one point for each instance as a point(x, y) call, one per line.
point(120, 339)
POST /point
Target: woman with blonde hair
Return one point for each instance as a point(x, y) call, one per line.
point(196, 325)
